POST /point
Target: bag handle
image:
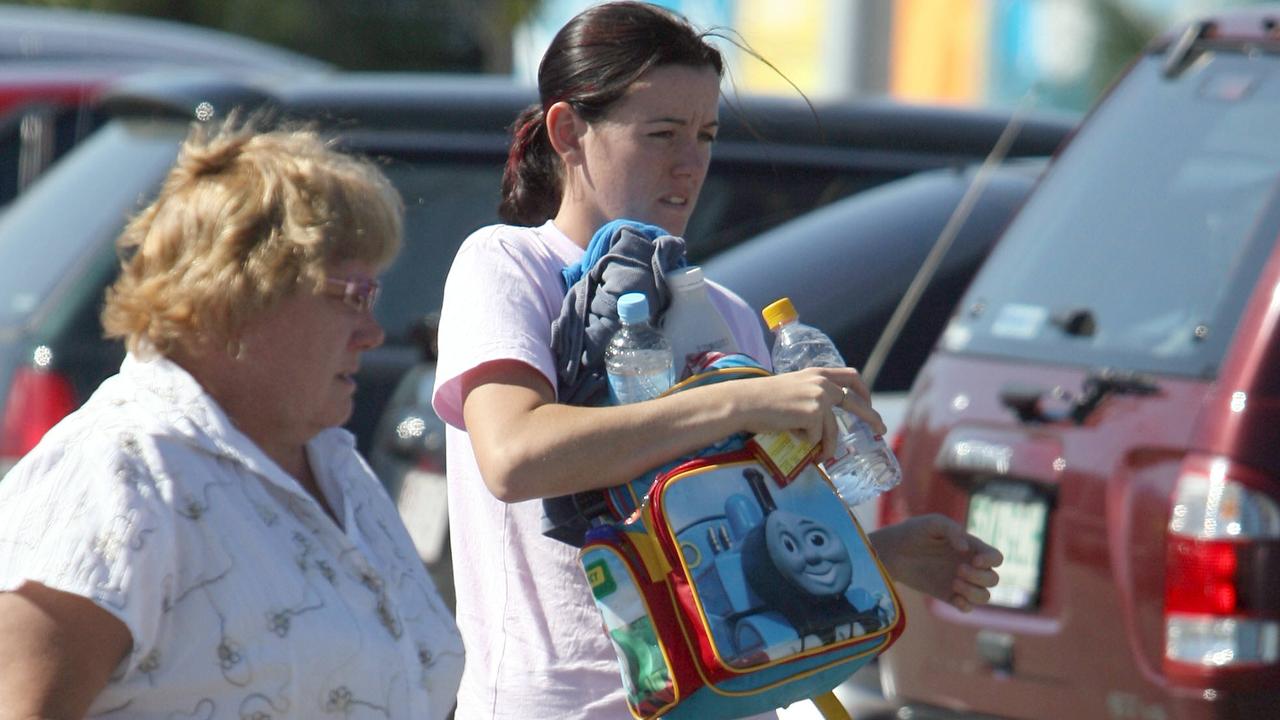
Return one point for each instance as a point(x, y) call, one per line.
point(830, 707)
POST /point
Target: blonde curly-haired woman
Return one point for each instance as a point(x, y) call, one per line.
point(201, 539)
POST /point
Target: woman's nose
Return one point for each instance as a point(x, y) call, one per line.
point(368, 334)
point(691, 159)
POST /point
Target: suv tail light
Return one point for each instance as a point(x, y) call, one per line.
point(1221, 605)
point(38, 399)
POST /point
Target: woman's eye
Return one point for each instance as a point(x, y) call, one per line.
point(707, 137)
point(664, 134)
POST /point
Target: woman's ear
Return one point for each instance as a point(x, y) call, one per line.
point(565, 129)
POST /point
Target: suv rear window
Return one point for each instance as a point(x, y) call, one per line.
point(1144, 241)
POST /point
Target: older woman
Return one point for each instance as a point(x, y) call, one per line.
point(201, 539)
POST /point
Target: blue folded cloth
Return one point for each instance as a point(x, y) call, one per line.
point(602, 240)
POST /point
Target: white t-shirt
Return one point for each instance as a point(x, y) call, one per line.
point(534, 639)
point(243, 597)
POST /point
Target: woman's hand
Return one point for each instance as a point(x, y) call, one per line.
point(934, 555)
point(802, 401)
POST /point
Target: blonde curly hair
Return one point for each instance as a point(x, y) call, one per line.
point(244, 218)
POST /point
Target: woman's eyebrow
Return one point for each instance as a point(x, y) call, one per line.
point(682, 121)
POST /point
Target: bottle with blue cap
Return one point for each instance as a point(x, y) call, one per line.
point(638, 358)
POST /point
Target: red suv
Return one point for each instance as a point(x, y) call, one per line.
point(1104, 406)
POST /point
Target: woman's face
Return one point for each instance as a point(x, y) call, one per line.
point(647, 158)
point(300, 357)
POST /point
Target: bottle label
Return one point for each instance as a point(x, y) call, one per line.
point(784, 452)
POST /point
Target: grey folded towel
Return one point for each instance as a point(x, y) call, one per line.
point(589, 315)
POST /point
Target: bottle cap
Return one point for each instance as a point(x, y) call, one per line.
point(779, 312)
point(685, 277)
point(633, 307)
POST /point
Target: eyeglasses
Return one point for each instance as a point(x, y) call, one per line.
point(359, 294)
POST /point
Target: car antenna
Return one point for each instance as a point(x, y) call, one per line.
point(929, 267)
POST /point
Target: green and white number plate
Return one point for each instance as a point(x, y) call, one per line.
point(1012, 518)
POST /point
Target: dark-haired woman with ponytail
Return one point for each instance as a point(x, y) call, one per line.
point(628, 111)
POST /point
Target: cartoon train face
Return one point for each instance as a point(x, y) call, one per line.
point(808, 554)
point(773, 581)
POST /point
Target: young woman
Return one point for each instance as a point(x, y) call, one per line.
point(628, 114)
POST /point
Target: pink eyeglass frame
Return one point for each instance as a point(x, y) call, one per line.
point(359, 294)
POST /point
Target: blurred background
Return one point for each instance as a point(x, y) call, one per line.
point(965, 52)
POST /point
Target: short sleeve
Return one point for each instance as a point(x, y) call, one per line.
point(82, 514)
point(498, 305)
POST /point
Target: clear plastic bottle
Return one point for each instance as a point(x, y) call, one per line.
point(638, 358)
point(863, 466)
point(692, 323)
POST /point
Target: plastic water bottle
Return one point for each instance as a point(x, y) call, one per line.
point(863, 466)
point(692, 323)
point(638, 358)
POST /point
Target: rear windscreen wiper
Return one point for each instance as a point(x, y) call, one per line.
point(1078, 322)
point(1027, 401)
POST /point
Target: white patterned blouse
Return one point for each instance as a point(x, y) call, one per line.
point(244, 598)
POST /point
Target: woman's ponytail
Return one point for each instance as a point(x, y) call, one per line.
point(531, 181)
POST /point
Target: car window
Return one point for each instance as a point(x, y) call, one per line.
point(32, 137)
point(742, 199)
point(445, 201)
point(1142, 245)
point(64, 218)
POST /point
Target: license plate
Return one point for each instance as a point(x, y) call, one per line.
point(1012, 518)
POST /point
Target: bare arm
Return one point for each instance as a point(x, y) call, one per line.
point(528, 446)
point(58, 652)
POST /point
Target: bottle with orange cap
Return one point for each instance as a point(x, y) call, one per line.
point(863, 465)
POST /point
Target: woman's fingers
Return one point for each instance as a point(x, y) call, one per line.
point(808, 396)
point(973, 594)
point(856, 404)
point(977, 576)
point(852, 379)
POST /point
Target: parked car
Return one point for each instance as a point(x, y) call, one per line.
point(442, 141)
point(1103, 407)
point(845, 265)
point(55, 61)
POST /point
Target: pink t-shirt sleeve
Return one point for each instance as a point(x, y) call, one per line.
point(499, 300)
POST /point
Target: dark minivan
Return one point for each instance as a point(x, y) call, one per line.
point(1104, 406)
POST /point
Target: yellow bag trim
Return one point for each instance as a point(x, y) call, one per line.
point(709, 684)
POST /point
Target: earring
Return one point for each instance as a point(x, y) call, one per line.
point(235, 349)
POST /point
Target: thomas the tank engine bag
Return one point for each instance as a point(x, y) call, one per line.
point(740, 583)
